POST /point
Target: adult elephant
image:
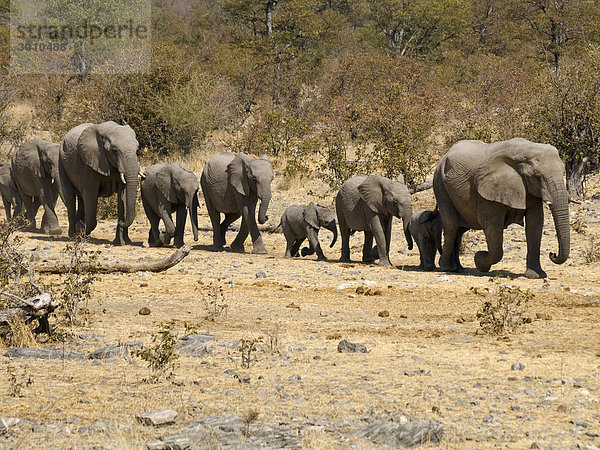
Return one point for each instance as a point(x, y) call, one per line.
point(369, 203)
point(233, 185)
point(168, 188)
point(97, 160)
point(35, 171)
point(8, 190)
point(489, 186)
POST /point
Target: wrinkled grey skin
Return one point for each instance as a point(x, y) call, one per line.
point(369, 203)
point(489, 186)
point(168, 188)
point(98, 160)
point(35, 172)
point(301, 222)
point(9, 192)
point(233, 185)
point(426, 229)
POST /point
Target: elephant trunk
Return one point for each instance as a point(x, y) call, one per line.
point(405, 221)
point(193, 209)
point(560, 214)
point(130, 188)
point(332, 226)
point(265, 197)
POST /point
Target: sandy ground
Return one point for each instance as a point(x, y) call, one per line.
point(425, 361)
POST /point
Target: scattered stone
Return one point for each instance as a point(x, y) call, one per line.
point(261, 274)
point(543, 316)
point(384, 313)
point(9, 422)
point(157, 418)
point(295, 378)
point(517, 366)
point(194, 345)
point(145, 311)
point(561, 408)
point(242, 378)
point(115, 351)
point(392, 434)
point(42, 353)
point(293, 306)
point(346, 346)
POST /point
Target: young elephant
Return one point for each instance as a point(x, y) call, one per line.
point(167, 188)
point(426, 229)
point(10, 194)
point(301, 222)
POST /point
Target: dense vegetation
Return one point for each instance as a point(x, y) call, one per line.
point(339, 86)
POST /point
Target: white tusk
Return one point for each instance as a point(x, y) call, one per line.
point(122, 177)
point(142, 175)
point(549, 204)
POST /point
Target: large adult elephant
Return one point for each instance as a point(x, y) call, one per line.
point(9, 192)
point(233, 185)
point(97, 160)
point(489, 186)
point(369, 203)
point(35, 171)
point(168, 188)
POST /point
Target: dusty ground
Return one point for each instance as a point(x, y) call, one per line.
point(425, 361)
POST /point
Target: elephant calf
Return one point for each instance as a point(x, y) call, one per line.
point(166, 188)
point(301, 222)
point(10, 195)
point(426, 229)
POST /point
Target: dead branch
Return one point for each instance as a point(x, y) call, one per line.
point(421, 187)
point(119, 266)
point(38, 307)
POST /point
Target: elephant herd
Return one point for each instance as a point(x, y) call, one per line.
point(477, 186)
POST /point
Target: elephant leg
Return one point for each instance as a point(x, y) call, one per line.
point(90, 202)
point(154, 219)
point(494, 237)
point(180, 216)
point(367, 255)
point(248, 213)
point(422, 250)
point(315, 246)
point(228, 220)
point(388, 234)
point(215, 220)
point(450, 259)
point(47, 198)
point(297, 243)
point(345, 236)
point(290, 242)
point(534, 222)
point(378, 228)
point(238, 243)
point(70, 200)
point(31, 208)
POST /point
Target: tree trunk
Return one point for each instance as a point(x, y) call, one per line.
point(575, 172)
point(38, 307)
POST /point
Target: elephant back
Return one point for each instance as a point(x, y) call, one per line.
point(214, 175)
point(348, 194)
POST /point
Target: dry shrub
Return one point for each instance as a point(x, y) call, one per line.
point(503, 313)
point(591, 253)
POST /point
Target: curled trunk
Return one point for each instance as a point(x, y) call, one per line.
point(262, 211)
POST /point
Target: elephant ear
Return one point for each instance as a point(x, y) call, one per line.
point(371, 191)
point(238, 177)
point(499, 181)
point(310, 215)
point(29, 156)
point(92, 150)
point(164, 182)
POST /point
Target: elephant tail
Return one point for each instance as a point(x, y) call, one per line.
point(275, 229)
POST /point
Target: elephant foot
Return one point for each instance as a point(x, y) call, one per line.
point(306, 251)
point(450, 267)
point(480, 263)
point(345, 259)
point(57, 231)
point(259, 250)
point(237, 248)
point(384, 263)
point(178, 244)
point(535, 273)
point(428, 267)
point(155, 244)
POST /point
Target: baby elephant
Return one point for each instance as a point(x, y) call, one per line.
point(426, 228)
point(301, 222)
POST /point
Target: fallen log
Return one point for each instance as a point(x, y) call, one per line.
point(118, 266)
point(38, 307)
point(421, 187)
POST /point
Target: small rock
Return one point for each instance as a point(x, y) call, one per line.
point(42, 353)
point(394, 435)
point(6, 423)
point(242, 378)
point(157, 418)
point(295, 378)
point(261, 274)
point(561, 408)
point(114, 351)
point(346, 346)
point(384, 313)
point(194, 345)
point(517, 366)
point(543, 316)
point(145, 311)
